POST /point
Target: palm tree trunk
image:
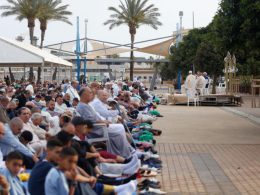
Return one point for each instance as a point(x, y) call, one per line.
point(11, 75)
point(54, 76)
point(31, 25)
point(42, 38)
point(41, 46)
point(31, 31)
point(132, 57)
point(31, 75)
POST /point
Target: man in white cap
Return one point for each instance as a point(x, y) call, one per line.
point(190, 81)
point(72, 91)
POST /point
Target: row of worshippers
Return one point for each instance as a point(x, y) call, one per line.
point(67, 166)
point(31, 120)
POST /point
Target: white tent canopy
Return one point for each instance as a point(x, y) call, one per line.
point(18, 54)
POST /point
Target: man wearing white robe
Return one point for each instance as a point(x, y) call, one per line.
point(100, 105)
point(72, 91)
point(37, 144)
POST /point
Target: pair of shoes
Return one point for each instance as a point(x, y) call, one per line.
point(153, 160)
point(147, 168)
point(159, 115)
point(151, 190)
point(151, 163)
point(150, 155)
point(151, 149)
point(155, 132)
point(150, 180)
point(145, 185)
point(148, 173)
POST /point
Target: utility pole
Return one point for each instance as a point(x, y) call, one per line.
point(78, 51)
point(179, 40)
point(181, 15)
point(85, 49)
point(193, 24)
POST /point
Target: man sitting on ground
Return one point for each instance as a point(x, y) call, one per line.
point(37, 144)
point(36, 121)
point(60, 107)
point(51, 108)
point(9, 142)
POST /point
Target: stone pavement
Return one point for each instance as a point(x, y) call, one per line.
point(246, 110)
point(207, 150)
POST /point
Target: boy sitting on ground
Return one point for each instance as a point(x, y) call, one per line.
point(14, 163)
point(56, 182)
point(41, 169)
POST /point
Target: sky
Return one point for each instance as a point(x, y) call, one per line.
point(96, 11)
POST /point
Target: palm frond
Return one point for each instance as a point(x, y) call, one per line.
point(134, 13)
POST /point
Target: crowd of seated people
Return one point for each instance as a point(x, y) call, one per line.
point(51, 131)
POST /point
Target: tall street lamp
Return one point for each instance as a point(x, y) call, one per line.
point(179, 40)
point(181, 15)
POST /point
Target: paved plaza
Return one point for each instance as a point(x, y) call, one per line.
point(209, 150)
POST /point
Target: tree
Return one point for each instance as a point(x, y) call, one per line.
point(209, 60)
point(237, 29)
point(23, 9)
point(183, 56)
point(134, 13)
point(51, 10)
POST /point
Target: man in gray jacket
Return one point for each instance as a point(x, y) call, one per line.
point(10, 142)
point(116, 132)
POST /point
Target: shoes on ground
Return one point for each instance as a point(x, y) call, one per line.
point(152, 190)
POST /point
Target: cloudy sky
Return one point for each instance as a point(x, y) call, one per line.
point(96, 12)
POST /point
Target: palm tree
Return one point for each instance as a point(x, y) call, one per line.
point(51, 10)
point(23, 9)
point(134, 13)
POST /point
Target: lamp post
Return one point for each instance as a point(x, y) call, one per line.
point(78, 51)
point(179, 40)
point(85, 50)
point(181, 15)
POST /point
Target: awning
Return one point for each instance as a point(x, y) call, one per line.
point(101, 49)
point(162, 48)
point(18, 54)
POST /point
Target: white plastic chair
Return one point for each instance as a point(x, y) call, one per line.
point(221, 89)
point(105, 137)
